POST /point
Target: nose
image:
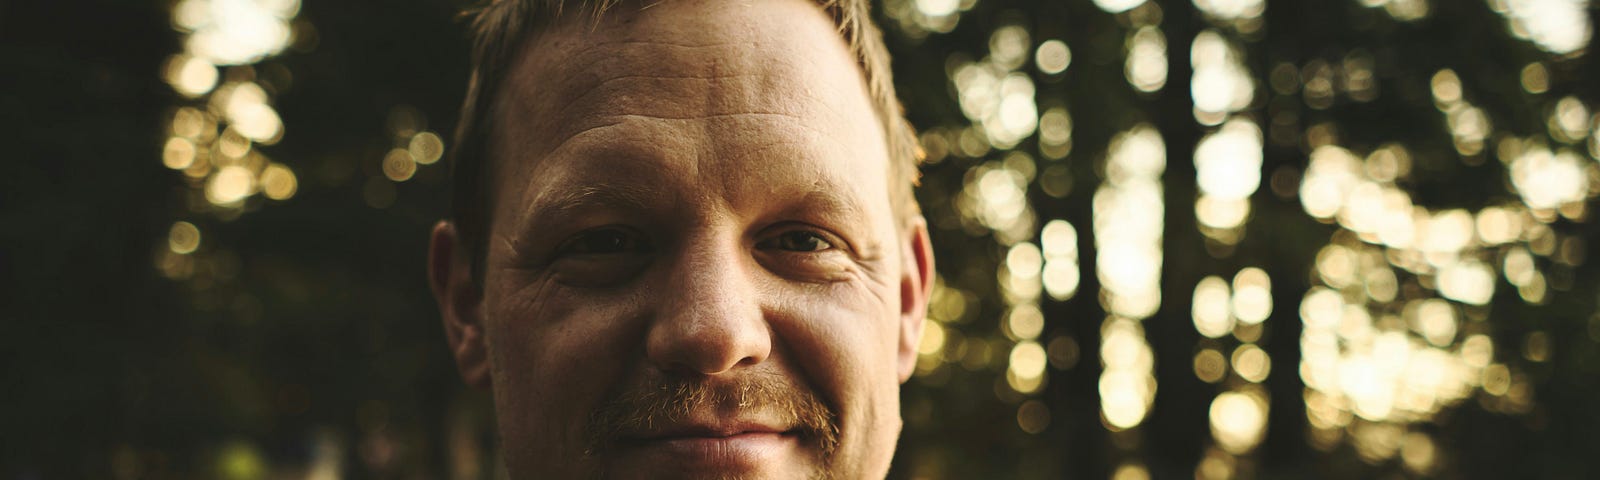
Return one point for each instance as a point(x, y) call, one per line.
point(710, 319)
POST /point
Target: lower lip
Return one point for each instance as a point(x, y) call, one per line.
point(742, 452)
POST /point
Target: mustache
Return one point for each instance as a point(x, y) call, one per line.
point(658, 402)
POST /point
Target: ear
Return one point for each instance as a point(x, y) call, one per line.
point(460, 303)
point(916, 287)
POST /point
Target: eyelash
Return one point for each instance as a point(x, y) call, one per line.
point(777, 241)
point(623, 240)
point(618, 239)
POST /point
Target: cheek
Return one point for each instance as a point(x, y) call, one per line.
point(553, 357)
point(843, 339)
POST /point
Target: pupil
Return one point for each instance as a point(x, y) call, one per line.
point(803, 241)
point(609, 241)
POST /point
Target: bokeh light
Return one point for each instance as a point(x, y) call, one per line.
point(1417, 195)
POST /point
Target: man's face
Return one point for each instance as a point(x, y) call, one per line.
point(693, 268)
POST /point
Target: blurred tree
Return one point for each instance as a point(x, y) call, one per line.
point(213, 255)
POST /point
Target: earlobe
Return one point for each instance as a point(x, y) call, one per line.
point(450, 278)
point(916, 287)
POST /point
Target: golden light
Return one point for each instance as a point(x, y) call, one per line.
point(1216, 465)
point(1594, 137)
point(1028, 359)
point(1008, 46)
point(1052, 57)
point(1435, 319)
point(998, 99)
point(1122, 399)
point(1496, 379)
point(1557, 26)
point(1469, 125)
point(1017, 116)
point(1376, 442)
point(1238, 420)
point(234, 32)
point(426, 148)
point(1221, 83)
point(1063, 352)
point(1060, 240)
point(1146, 66)
point(1402, 10)
point(232, 144)
point(178, 153)
point(1446, 87)
point(1060, 276)
point(1331, 174)
point(191, 76)
point(1536, 347)
point(278, 182)
point(189, 123)
point(1127, 387)
point(1337, 266)
point(937, 8)
point(1127, 215)
point(1026, 372)
point(240, 460)
point(1477, 351)
point(932, 341)
point(1252, 363)
point(1535, 78)
point(1228, 162)
point(1117, 6)
point(1569, 120)
point(1418, 452)
point(1131, 471)
point(1388, 163)
point(1025, 322)
point(1210, 366)
point(1033, 416)
point(398, 165)
point(1519, 266)
point(1497, 225)
point(1055, 133)
point(1127, 220)
point(1469, 282)
point(230, 185)
point(1211, 308)
point(1380, 283)
point(1024, 260)
point(1252, 296)
point(1221, 212)
point(1231, 9)
point(183, 238)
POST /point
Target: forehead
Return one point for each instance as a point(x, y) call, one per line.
point(703, 82)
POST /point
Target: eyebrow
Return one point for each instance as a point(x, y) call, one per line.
point(830, 197)
point(550, 208)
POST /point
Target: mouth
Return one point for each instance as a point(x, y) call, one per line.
point(721, 448)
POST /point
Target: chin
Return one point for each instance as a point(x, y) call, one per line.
point(742, 456)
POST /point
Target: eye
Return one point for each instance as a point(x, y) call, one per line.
point(602, 241)
point(798, 241)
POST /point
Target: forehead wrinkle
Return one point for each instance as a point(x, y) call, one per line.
point(571, 196)
point(599, 126)
point(623, 105)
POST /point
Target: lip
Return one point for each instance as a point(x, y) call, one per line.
point(712, 448)
point(707, 430)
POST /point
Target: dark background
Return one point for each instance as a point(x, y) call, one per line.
point(300, 338)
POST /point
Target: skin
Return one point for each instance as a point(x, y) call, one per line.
point(692, 192)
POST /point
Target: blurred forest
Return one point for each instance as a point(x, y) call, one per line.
point(1208, 239)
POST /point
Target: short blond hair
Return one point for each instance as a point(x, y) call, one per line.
point(497, 30)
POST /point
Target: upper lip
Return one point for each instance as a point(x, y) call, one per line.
point(706, 430)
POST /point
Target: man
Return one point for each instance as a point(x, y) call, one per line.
point(684, 243)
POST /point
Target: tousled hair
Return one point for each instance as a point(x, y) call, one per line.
point(497, 30)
